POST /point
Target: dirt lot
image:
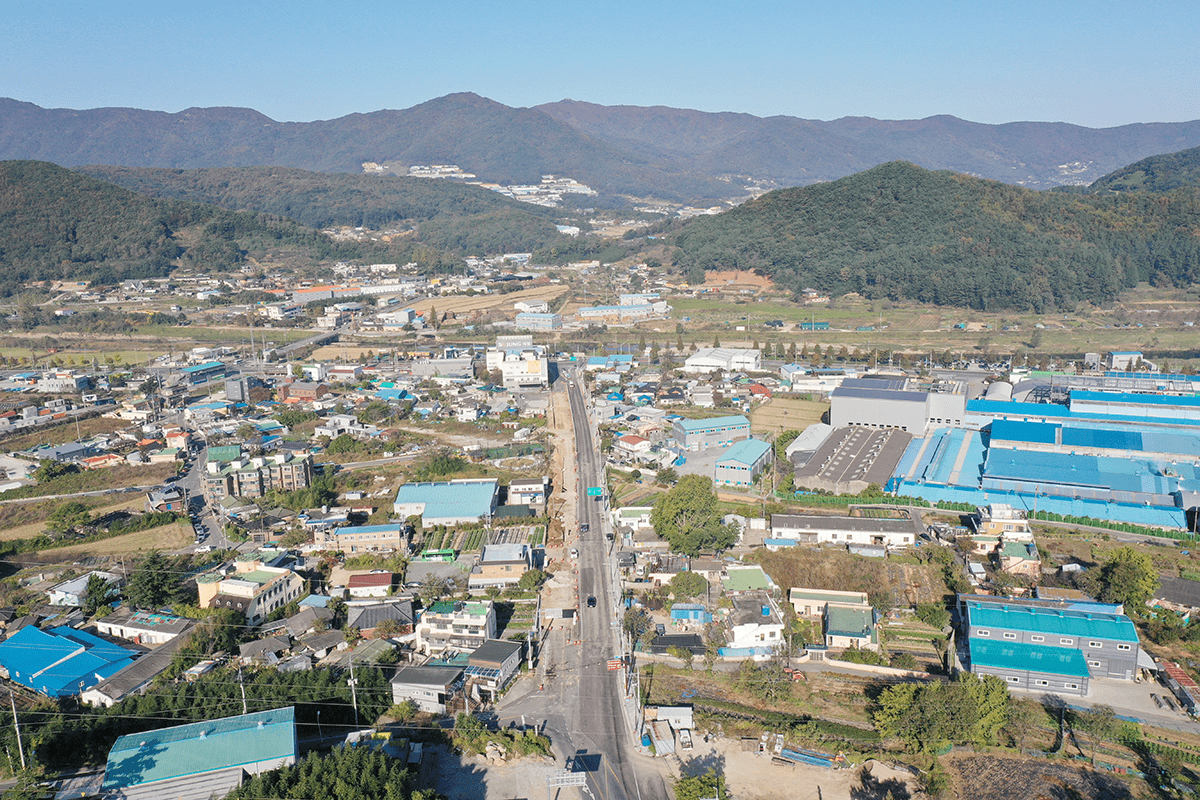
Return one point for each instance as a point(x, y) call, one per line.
point(750, 776)
point(463, 306)
point(991, 778)
point(470, 778)
point(786, 413)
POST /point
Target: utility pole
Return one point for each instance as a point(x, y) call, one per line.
point(17, 727)
point(353, 692)
point(243, 686)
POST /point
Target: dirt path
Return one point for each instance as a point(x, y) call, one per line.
point(564, 502)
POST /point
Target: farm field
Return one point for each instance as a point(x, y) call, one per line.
point(991, 778)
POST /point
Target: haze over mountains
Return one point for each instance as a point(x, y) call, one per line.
point(660, 152)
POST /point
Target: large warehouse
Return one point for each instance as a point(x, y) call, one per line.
point(896, 403)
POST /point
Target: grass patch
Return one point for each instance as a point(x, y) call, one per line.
point(63, 432)
point(164, 537)
point(26, 520)
point(91, 480)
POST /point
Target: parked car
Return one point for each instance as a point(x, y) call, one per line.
point(685, 739)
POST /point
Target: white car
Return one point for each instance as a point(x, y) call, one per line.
point(205, 549)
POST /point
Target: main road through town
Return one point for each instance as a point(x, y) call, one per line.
point(583, 701)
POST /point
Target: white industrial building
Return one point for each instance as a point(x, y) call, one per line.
point(894, 403)
point(521, 366)
point(729, 359)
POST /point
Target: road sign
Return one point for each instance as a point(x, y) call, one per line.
point(614, 664)
point(595, 491)
point(562, 778)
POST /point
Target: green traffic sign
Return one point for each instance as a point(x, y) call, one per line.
point(595, 491)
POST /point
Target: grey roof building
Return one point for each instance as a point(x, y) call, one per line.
point(429, 687)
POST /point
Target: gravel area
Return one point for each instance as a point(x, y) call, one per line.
point(472, 778)
point(750, 776)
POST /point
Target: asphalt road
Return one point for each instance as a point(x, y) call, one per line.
point(581, 704)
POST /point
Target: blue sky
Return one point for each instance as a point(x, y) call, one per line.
point(1095, 63)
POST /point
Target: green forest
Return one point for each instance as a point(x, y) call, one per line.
point(1160, 173)
point(901, 232)
point(440, 214)
point(56, 224)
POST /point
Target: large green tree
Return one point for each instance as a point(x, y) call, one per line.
point(689, 518)
point(927, 716)
point(1128, 577)
point(699, 787)
point(155, 582)
point(688, 584)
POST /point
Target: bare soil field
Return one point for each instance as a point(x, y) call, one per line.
point(782, 413)
point(464, 305)
point(461, 777)
point(735, 277)
point(992, 778)
point(750, 776)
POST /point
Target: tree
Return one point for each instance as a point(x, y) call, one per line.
point(637, 624)
point(666, 475)
point(48, 470)
point(154, 583)
point(928, 716)
point(699, 787)
point(97, 594)
point(531, 580)
point(689, 519)
point(686, 585)
point(1023, 716)
point(934, 615)
point(68, 517)
point(681, 653)
point(1128, 577)
point(1101, 723)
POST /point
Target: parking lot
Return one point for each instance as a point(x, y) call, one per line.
point(1132, 699)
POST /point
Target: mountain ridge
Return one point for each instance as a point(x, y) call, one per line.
point(678, 155)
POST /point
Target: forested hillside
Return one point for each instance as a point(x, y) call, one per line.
point(494, 141)
point(440, 214)
point(899, 231)
point(58, 224)
point(1154, 174)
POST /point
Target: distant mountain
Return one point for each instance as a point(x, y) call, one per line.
point(656, 152)
point(438, 213)
point(1160, 173)
point(496, 142)
point(58, 224)
point(794, 151)
point(898, 231)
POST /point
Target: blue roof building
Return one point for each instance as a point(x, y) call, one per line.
point(742, 463)
point(60, 662)
point(220, 749)
point(1037, 636)
point(701, 434)
point(456, 502)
